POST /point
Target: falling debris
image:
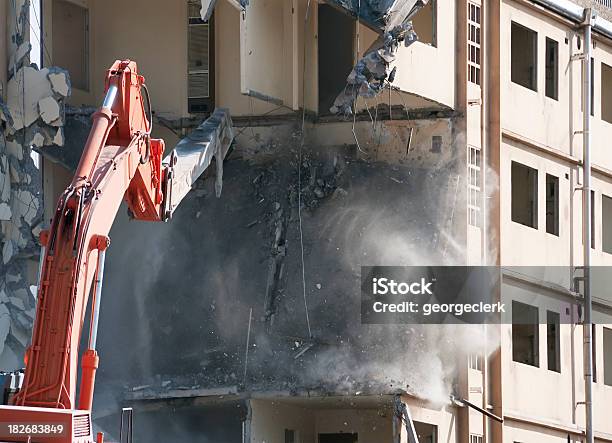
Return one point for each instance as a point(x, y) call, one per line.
point(373, 71)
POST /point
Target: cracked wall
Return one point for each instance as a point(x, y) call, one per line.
point(32, 117)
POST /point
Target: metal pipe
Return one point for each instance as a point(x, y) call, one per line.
point(586, 222)
point(481, 410)
point(98, 297)
point(110, 97)
point(575, 13)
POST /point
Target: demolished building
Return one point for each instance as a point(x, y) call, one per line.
point(238, 321)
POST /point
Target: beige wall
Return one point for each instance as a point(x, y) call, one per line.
point(429, 71)
point(153, 33)
point(270, 418)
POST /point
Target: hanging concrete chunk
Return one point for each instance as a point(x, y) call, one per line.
point(194, 153)
point(208, 6)
point(60, 81)
point(392, 19)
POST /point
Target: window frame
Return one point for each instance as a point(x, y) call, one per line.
point(533, 83)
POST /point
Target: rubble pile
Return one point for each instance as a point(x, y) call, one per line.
point(31, 117)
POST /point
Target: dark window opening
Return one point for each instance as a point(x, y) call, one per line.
point(594, 350)
point(592, 86)
point(553, 341)
point(606, 93)
point(525, 334)
point(552, 204)
point(607, 355)
point(200, 57)
point(436, 143)
point(592, 219)
point(524, 56)
point(338, 438)
point(524, 182)
point(427, 433)
point(290, 436)
point(606, 223)
point(552, 69)
point(425, 23)
point(336, 57)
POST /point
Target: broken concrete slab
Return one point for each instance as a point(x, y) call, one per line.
point(208, 6)
point(194, 153)
point(49, 110)
point(24, 90)
point(60, 81)
point(5, 211)
point(392, 18)
point(14, 149)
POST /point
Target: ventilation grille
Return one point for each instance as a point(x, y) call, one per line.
point(81, 425)
point(198, 85)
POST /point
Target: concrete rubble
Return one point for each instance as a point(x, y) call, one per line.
point(392, 19)
point(32, 117)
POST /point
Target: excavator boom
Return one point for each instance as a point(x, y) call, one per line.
point(120, 161)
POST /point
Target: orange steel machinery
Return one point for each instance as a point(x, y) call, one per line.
point(120, 160)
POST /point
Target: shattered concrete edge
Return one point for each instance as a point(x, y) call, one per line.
point(33, 116)
point(208, 6)
point(373, 71)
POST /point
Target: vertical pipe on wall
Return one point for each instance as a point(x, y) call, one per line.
point(586, 223)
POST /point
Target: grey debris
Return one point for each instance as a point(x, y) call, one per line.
point(60, 81)
point(5, 211)
point(49, 110)
point(373, 71)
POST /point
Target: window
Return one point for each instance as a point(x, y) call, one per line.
point(475, 438)
point(594, 350)
point(474, 179)
point(199, 72)
point(290, 436)
point(475, 361)
point(71, 41)
point(436, 143)
point(552, 204)
point(606, 223)
point(524, 56)
point(474, 47)
point(553, 341)
point(427, 433)
point(425, 23)
point(525, 334)
point(607, 355)
point(606, 93)
point(552, 69)
point(592, 219)
point(592, 86)
point(524, 195)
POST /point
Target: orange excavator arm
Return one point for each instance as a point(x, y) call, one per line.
point(120, 161)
